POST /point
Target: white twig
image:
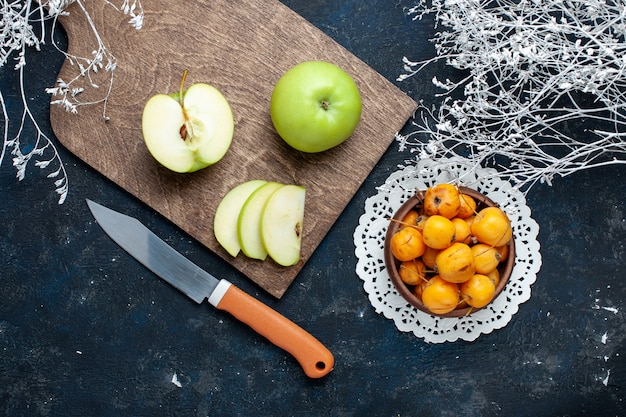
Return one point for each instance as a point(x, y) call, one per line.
point(16, 36)
point(543, 87)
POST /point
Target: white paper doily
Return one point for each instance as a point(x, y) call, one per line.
point(369, 242)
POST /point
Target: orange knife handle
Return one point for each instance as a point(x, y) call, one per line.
point(316, 360)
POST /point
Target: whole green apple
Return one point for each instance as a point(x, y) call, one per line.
point(315, 106)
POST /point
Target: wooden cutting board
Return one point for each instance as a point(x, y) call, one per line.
point(242, 48)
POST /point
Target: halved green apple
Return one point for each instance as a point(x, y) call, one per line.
point(249, 221)
point(281, 224)
point(227, 215)
point(189, 130)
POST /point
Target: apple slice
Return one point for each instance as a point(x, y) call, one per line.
point(249, 221)
point(281, 224)
point(227, 215)
point(189, 130)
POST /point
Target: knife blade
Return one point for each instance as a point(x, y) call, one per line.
point(145, 246)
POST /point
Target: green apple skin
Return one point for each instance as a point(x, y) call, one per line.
point(281, 224)
point(249, 221)
point(227, 215)
point(315, 106)
point(211, 120)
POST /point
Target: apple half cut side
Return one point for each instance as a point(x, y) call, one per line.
point(249, 221)
point(227, 215)
point(281, 224)
point(188, 134)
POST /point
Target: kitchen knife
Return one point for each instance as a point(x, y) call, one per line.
point(316, 360)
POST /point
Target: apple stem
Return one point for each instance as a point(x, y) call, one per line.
point(325, 104)
point(186, 130)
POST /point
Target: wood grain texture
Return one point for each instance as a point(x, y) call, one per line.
point(242, 48)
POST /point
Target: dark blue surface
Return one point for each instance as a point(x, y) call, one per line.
point(87, 331)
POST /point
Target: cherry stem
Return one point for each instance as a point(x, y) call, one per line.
point(415, 273)
point(391, 219)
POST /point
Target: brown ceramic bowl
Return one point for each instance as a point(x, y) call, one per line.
point(392, 264)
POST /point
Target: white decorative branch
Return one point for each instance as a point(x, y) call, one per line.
point(533, 72)
point(16, 36)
